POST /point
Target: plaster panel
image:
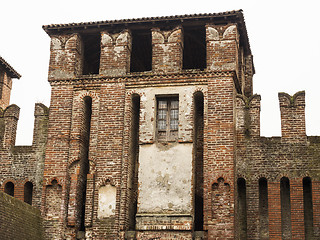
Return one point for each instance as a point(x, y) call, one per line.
point(107, 201)
point(165, 178)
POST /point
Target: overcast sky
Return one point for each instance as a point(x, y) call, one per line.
point(284, 38)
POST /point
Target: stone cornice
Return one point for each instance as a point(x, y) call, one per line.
point(143, 80)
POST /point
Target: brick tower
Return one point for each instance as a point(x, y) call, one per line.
point(141, 137)
point(154, 133)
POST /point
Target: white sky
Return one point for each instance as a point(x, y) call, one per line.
point(284, 38)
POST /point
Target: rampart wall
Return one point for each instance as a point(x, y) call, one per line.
point(278, 177)
point(22, 166)
point(19, 220)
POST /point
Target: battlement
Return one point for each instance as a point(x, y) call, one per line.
point(22, 166)
point(9, 120)
point(212, 43)
point(292, 109)
point(293, 124)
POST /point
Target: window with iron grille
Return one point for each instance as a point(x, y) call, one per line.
point(167, 118)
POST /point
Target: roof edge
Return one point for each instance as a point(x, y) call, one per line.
point(47, 28)
point(74, 27)
point(10, 70)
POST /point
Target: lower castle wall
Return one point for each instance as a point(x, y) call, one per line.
point(272, 159)
point(19, 220)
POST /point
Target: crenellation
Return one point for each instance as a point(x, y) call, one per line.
point(115, 53)
point(292, 109)
point(248, 75)
point(222, 51)
point(41, 114)
point(11, 117)
point(66, 57)
point(248, 116)
point(167, 49)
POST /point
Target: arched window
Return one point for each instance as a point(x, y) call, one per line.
point(263, 208)
point(28, 189)
point(242, 208)
point(308, 208)
point(9, 188)
point(285, 208)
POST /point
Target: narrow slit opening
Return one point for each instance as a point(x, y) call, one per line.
point(285, 208)
point(242, 207)
point(263, 208)
point(308, 207)
point(198, 160)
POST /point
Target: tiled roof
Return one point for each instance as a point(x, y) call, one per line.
point(234, 16)
point(10, 71)
point(139, 20)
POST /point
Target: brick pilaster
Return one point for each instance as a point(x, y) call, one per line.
point(219, 156)
point(297, 214)
point(274, 204)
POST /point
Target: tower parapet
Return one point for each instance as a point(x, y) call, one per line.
point(115, 53)
point(293, 124)
point(10, 118)
point(167, 50)
point(41, 115)
point(65, 58)
point(222, 47)
point(248, 116)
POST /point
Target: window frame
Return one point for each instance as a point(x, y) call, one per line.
point(171, 118)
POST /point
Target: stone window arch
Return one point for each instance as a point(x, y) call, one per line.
point(9, 188)
point(285, 208)
point(28, 192)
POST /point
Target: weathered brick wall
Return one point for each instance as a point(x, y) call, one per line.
point(167, 50)
point(65, 59)
point(293, 156)
point(235, 170)
point(223, 159)
point(19, 220)
point(115, 53)
point(5, 88)
point(219, 156)
point(22, 164)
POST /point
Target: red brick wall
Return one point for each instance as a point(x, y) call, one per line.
point(115, 53)
point(292, 109)
point(19, 220)
point(293, 156)
point(167, 50)
point(5, 89)
point(219, 154)
point(65, 58)
point(20, 164)
point(232, 145)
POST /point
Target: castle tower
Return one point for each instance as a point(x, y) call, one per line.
point(7, 73)
point(153, 132)
point(142, 127)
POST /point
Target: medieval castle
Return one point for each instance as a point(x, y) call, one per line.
point(153, 132)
